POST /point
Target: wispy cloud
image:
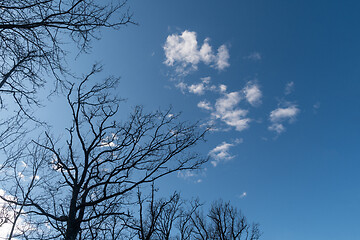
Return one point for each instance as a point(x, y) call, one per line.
point(221, 152)
point(205, 105)
point(280, 115)
point(191, 175)
point(316, 106)
point(289, 88)
point(186, 174)
point(254, 56)
point(182, 86)
point(184, 53)
point(201, 87)
point(277, 127)
point(197, 88)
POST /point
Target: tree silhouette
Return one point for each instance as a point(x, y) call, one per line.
point(32, 37)
point(76, 186)
point(175, 218)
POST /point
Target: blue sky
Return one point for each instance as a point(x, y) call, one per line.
point(279, 81)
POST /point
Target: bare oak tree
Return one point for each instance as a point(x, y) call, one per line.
point(73, 189)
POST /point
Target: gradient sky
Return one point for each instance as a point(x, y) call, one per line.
point(279, 81)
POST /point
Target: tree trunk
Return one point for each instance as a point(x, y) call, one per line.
point(73, 228)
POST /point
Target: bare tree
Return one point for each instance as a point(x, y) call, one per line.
point(145, 226)
point(83, 184)
point(33, 34)
point(201, 230)
point(156, 217)
point(184, 223)
point(21, 175)
point(175, 218)
point(32, 37)
point(225, 223)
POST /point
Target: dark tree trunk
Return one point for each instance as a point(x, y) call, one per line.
point(72, 230)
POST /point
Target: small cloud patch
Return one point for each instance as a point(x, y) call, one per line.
point(289, 88)
point(281, 115)
point(253, 94)
point(221, 152)
point(254, 56)
point(184, 53)
point(243, 195)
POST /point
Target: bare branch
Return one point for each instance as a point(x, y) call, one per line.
point(93, 174)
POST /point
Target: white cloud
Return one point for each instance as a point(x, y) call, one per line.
point(255, 56)
point(186, 174)
point(226, 107)
point(198, 89)
point(182, 48)
point(226, 111)
point(21, 175)
point(191, 175)
point(221, 152)
point(222, 58)
point(206, 53)
point(289, 88)
point(182, 86)
point(236, 119)
point(109, 141)
point(222, 88)
point(253, 94)
point(280, 115)
point(229, 101)
point(277, 127)
point(184, 52)
point(206, 80)
point(205, 105)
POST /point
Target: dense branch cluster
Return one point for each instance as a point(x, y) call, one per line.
point(32, 35)
point(175, 218)
point(91, 175)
